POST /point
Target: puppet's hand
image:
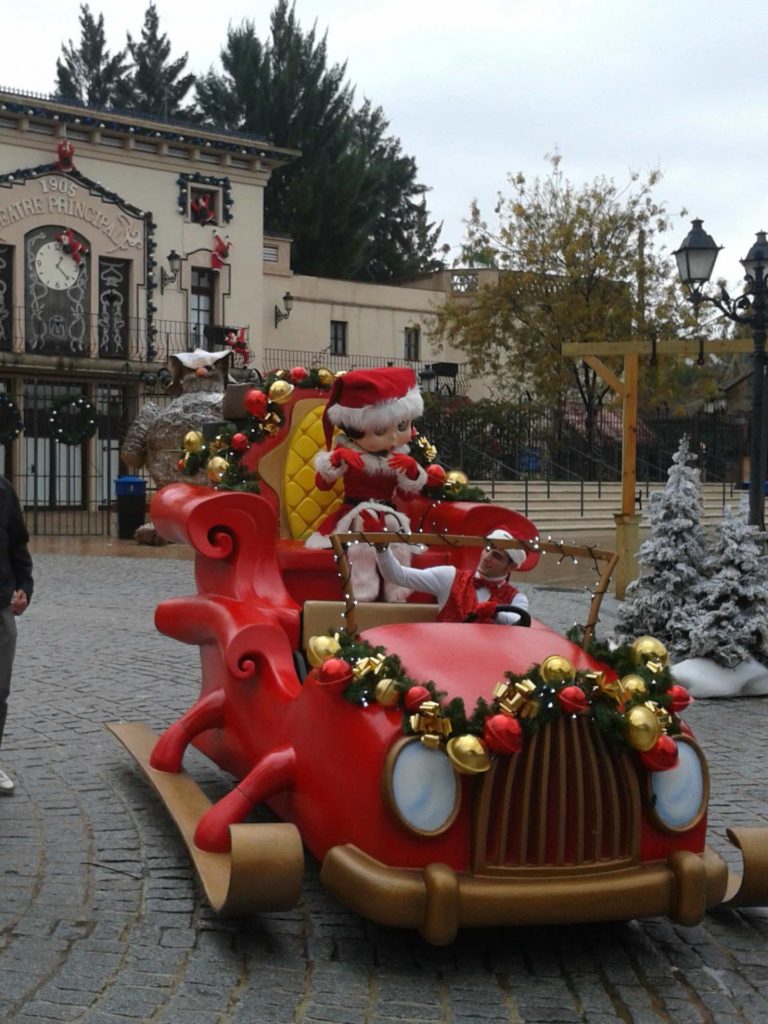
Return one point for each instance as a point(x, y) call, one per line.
point(404, 464)
point(340, 455)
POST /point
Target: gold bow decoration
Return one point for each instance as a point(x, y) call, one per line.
point(516, 699)
point(430, 724)
point(374, 664)
point(430, 452)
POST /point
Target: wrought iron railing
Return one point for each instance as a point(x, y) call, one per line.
point(127, 339)
point(446, 384)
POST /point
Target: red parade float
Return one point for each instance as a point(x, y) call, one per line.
point(444, 775)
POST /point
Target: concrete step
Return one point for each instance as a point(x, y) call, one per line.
point(568, 506)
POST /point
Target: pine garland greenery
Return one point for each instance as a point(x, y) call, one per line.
point(539, 707)
point(72, 420)
point(11, 423)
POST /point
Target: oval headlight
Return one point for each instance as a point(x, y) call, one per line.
point(679, 796)
point(421, 786)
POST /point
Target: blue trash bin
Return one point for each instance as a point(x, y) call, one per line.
point(131, 493)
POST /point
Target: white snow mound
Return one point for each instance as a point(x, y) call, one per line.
point(703, 677)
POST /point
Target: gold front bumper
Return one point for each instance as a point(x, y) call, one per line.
point(437, 901)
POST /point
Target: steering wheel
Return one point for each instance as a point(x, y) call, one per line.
point(524, 619)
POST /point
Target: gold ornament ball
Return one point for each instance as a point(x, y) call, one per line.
point(193, 442)
point(469, 755)
point(456, 478)
point(325, 377)
point(280, 391)
point(386, 693)
point(216, 468)
point(321, 648)
point(635, 687)
point(643, 729)
point(647, 650)
point(556, 669)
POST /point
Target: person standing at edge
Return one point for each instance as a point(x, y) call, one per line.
point(16, 587)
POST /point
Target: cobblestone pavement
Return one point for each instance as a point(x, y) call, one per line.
point(102, 921)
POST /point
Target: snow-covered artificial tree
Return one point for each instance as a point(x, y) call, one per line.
point(732, 598)
point(671, 560)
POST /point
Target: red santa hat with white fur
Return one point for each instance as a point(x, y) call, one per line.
point(368, 399)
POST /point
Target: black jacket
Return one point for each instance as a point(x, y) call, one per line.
point(15, 559)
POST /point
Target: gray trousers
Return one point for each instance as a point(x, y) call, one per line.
point(7, 652)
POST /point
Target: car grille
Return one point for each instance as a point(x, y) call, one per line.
point(567, 800)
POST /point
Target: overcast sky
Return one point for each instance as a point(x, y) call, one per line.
point(480, 89)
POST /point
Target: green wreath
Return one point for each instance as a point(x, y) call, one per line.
point(72, 420)
point(11, 423)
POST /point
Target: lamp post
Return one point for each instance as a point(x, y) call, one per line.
point(695, 262)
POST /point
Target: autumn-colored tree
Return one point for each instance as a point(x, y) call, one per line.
point(570, 264)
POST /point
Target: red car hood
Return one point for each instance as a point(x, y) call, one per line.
point(467, 660)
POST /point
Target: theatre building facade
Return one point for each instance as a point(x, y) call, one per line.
point(125, 240)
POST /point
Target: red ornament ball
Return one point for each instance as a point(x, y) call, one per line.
point(503, 734)
point(240, 443)
point(415, 697)
point(572, 699)
point(334, 675)
point(435, 476)
point(181, 464)
point(256, 403)
point(662, 756)
point(298, 373)
point(680, 698)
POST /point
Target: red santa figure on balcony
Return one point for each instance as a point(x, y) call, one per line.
point(374, 412)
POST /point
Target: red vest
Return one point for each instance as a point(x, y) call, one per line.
point(462, 599)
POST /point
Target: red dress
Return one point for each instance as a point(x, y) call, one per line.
point(369, 492)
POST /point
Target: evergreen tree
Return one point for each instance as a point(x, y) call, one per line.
point(662, 602)
point(732, 599)
point(351, 202)
point(88, 73)
point(156, 84)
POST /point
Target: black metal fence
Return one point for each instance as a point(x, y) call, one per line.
point(509, 442)
point(66, 484)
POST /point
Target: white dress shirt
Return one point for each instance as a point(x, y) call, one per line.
point(438, 581)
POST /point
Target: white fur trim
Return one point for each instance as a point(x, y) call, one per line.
point(405, 483)
point(317, 540)
point(371, 417)
point(322, 463)
point(396, 521)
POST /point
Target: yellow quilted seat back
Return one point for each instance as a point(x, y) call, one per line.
point(304, 506)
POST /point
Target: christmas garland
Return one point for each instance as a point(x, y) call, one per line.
point(72, 420)
point(638, 710)
point(221, 457)
point(11, 423)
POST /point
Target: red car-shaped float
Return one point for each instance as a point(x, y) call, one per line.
point(444, 775)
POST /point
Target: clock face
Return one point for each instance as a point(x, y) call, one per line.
point(55, 268)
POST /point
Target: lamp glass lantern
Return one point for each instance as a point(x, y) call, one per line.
point(283, 314)
point(174, 266)
point(696, 256)
point(757, 257)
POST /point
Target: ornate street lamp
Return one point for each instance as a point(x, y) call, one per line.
point(695, 262)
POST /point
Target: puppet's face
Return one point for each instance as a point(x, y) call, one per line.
point(385, 439)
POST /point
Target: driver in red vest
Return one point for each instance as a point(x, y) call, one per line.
point(465, 595)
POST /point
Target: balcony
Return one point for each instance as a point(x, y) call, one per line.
point(110, 339)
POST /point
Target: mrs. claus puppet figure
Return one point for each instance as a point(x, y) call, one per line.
point(374, 412)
